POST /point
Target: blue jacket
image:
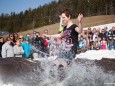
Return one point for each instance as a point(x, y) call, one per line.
point(27, 49)
point(81, 44)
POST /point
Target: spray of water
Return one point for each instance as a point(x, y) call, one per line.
point(56, 72)
point(80, 73)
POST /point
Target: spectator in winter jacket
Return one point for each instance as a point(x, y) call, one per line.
point(27, 36)
point(41, 43)
point(7, 49)
point(27, 48)
point(102, 34)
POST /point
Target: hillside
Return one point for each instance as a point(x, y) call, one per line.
point(49, 13)
point(87, 22)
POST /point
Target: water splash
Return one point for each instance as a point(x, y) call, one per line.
point(78, 73)
point(57, 72)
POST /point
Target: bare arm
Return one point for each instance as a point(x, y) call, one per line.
point(79, 29)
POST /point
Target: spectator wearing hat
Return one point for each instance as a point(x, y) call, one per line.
point(7, 49)
point(27, 48)
point(27, 36)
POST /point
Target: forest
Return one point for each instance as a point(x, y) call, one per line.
point(49, 13)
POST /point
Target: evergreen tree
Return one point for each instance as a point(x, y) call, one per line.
point(49, 13)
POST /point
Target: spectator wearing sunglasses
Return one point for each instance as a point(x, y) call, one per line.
point(11, 36)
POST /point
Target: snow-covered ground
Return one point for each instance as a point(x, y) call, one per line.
point(109, 26)
point(90, 54)
point(97, 54)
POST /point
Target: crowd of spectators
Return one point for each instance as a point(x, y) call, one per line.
point(17, 45)
point(97, 38)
